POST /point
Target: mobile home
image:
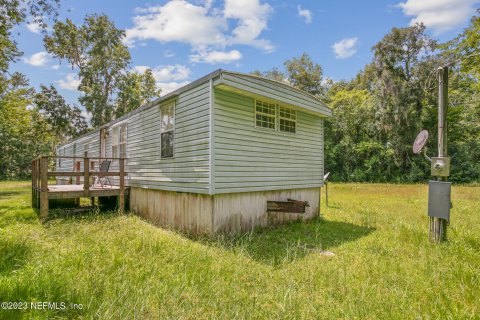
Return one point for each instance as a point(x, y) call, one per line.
point(208, 157)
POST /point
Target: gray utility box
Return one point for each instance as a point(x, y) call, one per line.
point(439, 193)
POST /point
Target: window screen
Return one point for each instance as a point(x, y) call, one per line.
point(265, 114)
point(273, 116)
point(119, 141)
point(287, 119)
point(167, 130)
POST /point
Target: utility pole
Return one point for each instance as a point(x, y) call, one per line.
point(440, 167)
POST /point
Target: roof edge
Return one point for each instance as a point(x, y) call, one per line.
point(278, 83)
point(150, 104)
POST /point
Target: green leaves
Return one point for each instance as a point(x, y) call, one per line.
point(24, 134)
point(304, 74)
point(96, 49)
point(109, 87)
point(65, 121)
point(134, 90)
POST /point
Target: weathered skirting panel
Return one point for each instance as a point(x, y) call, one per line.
point(234, 212)
point(191, 212)
point(222, 213)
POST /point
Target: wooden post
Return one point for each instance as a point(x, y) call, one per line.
point(121, 197)
point(92, 167)
point(44, 187)
point(35, 201)
point(86, 176)
point(33, 183)
point(37, 177)
point(326, 193)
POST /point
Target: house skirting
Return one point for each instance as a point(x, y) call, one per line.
point(221, 213)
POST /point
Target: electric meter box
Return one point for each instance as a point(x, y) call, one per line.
point(440, 166)
point(439, 193)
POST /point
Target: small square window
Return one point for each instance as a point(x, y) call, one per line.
point(265, 114)
point(287, 119)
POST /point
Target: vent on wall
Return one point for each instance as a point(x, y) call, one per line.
point(291, 206)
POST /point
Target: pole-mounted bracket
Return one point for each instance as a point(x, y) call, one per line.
point(440, 166)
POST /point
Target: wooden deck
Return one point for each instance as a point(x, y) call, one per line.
point(42, 192)
point(76, 191)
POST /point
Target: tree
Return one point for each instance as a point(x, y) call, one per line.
point(14, 12)
point(466, 48)
point(134, 90)
point(274, 74)
point(96, 49)
point(65, 121)
point(464, 97)
point(399, 60)
point(304, 74)
point(24, 134)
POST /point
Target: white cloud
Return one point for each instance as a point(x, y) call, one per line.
point(71, 82)
point(86, 115)
point(252, 19)
point(214, 57)
point(34, 27)
point(38, 59)
point(345, 48)
point(168, 87)
point(168, 77)
point(203, 27)
point(306, 14)
point(167, 73)
point(178, 21)
point(440, 15)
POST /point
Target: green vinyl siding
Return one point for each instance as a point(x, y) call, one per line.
point(256, 86)
point(90, 140)
point(188, 169)
point(252, 159)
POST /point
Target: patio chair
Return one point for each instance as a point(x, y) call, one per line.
point(104, 167)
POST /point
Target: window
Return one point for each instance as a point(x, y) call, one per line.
point(167, 130)
point(119, 141)
point(265, 114)
point(85, 149)
point(273, 116)
point(288, 119)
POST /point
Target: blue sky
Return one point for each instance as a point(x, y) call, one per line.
point(183, 40)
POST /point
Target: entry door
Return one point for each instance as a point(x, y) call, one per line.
point(103, 143)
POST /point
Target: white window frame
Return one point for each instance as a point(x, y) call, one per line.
point(294, 119)
point(277, 117)
point(117, 144)
point(163, 130)
point(264, 114)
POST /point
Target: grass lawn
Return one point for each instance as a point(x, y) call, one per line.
point(122, 267)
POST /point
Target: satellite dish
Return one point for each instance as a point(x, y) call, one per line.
point(325, 177)
point(420, 141)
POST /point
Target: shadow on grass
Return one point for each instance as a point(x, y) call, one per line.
point(80, 213)
point(289, 242)
point(10, 194)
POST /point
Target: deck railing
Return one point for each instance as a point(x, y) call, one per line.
point(41, 175)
